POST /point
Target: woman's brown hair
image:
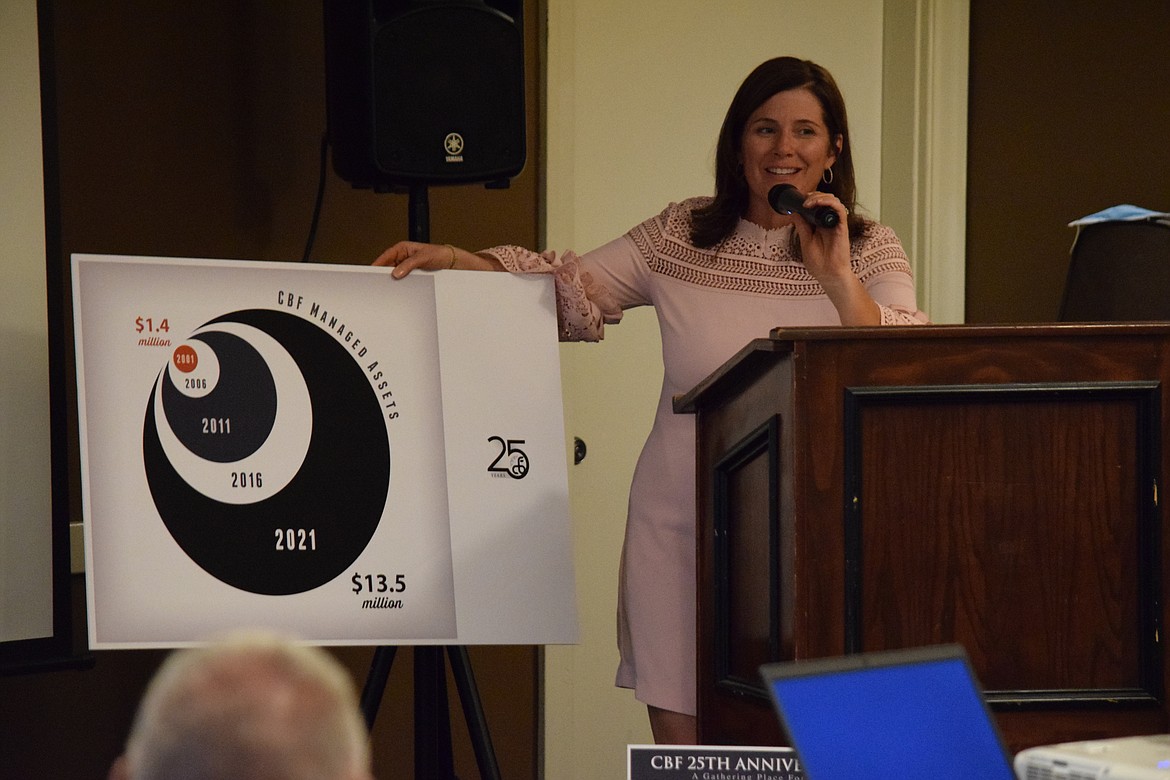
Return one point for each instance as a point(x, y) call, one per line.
point(714, 222)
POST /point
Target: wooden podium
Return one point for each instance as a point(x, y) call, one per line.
point(878, 488)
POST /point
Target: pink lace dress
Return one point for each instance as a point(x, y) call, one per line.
point(709, 303)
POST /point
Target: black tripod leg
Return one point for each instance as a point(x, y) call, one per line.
point(433, 755)
point(376, 683)
point(433, 759)
point(481, 740)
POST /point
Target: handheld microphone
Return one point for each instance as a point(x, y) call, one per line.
point(786, 199)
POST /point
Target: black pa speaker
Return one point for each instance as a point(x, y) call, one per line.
point(424, 91)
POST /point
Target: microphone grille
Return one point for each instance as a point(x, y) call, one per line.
point(781, 199)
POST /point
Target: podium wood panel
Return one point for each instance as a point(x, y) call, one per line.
point(870, 489)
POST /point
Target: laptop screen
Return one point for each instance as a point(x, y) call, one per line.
point(908, 714)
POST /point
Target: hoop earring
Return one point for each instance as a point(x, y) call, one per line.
point(827, 176)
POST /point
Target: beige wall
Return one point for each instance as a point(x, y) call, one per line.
point(26, 588)
point(635, 96)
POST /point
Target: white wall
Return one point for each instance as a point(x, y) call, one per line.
point(636, 95)
point(26, 587)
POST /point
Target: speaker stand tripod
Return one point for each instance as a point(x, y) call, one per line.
point(433, 758)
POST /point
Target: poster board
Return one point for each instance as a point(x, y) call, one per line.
point(321, 450)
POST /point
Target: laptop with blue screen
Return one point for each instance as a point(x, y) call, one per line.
point(914, 714)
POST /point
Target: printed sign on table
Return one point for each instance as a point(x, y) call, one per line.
point(321, 450)
point(711, 762)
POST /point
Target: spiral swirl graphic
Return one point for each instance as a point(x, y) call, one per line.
point(266, 452)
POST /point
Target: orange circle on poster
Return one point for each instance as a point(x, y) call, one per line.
point(185, 359)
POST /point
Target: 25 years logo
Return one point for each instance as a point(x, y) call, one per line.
point(510, 460)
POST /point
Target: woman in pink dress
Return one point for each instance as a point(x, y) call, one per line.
point(719, 271)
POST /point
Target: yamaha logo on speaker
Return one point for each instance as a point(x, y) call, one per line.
point(453, 143)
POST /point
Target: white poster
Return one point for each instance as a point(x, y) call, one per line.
point(321, 450)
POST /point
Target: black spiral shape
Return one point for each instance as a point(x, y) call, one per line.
point(339, 491)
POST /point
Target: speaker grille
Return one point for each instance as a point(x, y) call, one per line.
point(448, 96)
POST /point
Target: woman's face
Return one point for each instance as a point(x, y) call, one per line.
point(785, 141)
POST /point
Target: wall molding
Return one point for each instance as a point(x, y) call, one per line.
point(924, 145)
